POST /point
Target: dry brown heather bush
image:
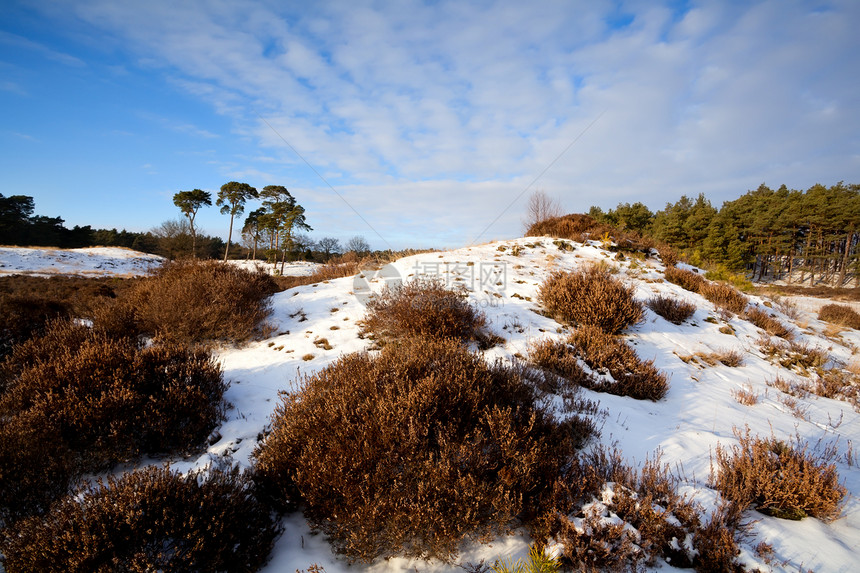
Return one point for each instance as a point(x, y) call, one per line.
point(778, 478)
point(602, 353)
point(28, 303)
point(793, 355)
point(724, 296)
point(685, 279)
point(423, 307)
point(644, 500)
point(766, 322)
point(577, 227)
point(631, 376)
point(840, 314)
point(591, 296)
point(194, 301)
point(148, 520)
point(672, 309)
point(581, 228)
point(23, 316)
point(100, 401)
point(668, 256)
point(415, 449)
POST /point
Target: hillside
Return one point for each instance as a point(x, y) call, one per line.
point(316, 324)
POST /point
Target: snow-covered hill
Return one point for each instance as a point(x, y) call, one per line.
point(94, 261)
point(699, 411)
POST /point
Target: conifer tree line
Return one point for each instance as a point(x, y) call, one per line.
point(807, 237)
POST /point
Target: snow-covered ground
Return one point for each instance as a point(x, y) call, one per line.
point(109, 261)
point(94, 261)
point(698, 412)
point(295, 269)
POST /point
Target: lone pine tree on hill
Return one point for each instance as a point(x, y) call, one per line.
point(231, 199)
point(189, 202)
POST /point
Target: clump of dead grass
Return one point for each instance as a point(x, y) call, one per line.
point(724, 296)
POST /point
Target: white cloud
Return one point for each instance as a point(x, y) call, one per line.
point(448, 110)
point(20, 42)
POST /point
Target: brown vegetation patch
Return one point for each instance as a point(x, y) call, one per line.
point(778, 478)
point(97, 401)
point(423, 307)
point(148, 520)
point(610, 517)
point(688, 280)
point(768, 323)
point(672, 309)
point(840, 314)
point(413, 450)
point(591, 296)
point(604, 354)
point(194, 301)
point(724, 296)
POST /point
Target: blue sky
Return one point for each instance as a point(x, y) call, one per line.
point(427, 118)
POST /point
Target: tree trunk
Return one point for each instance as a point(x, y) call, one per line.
point(229, 236)
point(844, 268)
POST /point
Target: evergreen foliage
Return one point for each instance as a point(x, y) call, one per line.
point(810, 236)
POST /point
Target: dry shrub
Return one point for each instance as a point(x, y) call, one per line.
point(787, 307)
point(602, 352)
point(101, 401)
point(414, 449)
point(591, 296)
point(577, 227)
point(673, 310)
point(609, 516)
point(768, 323)
point(581, 228)
point(688, 280)
point(724, 296)
point(778, 478)
point(745, 396)
point(23, 316)
point(668, 256)
point(840, 314)
point(36, 467)
point(715, 543)
point(630, 375)
point(732, 358)
point(423, 307)
point(194, 301)
point(148, 520)
point(559, 359)
point(799, 356)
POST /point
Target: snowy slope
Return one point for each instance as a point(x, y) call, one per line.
point(95, 261)
point(698, 412)
point(108, 261)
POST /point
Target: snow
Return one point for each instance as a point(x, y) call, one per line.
point(93, 261)
point(698, 413)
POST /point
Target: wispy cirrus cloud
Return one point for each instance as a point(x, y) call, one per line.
point(22, 43)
